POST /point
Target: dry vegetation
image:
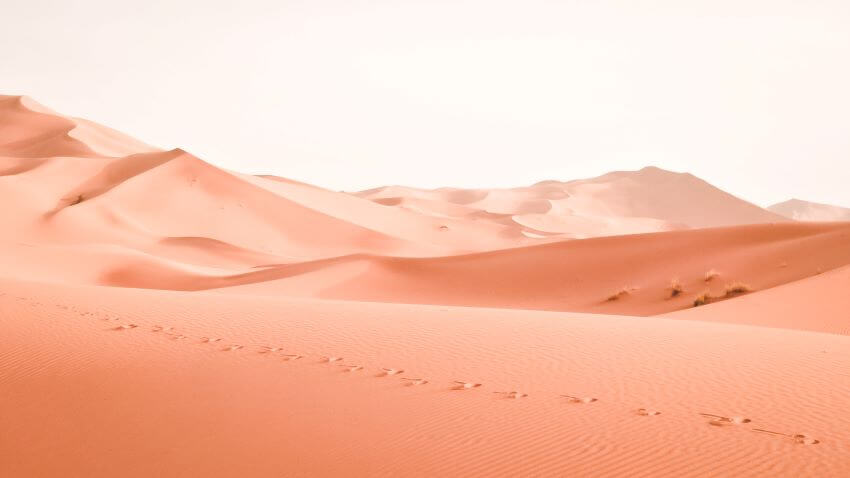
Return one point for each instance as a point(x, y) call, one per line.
point(732, 290)
point(702, 299)
point(737, 288)
point(675, 288)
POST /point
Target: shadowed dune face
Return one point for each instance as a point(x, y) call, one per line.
point(30, 130)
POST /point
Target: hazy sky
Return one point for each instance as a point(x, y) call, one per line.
point(751, 95)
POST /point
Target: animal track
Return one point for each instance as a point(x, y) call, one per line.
point(720, 421)
point(465, 385)
point(798, 438)
point(647, 412)
point(714, 420)
point(512, 394)
point(573, 399)
point(390, 371)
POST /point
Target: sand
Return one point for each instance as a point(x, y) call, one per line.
point(810, 211)
point(164, 317)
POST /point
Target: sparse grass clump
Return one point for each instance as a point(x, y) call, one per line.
point(675, 288)
point(732, 290)
point(737, 288)
point(711, 275)
point(702, 299)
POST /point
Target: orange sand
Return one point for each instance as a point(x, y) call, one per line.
point(163, 317)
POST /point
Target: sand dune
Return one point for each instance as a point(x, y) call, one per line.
point(623, 202)
point(165, 317)
point(156, 383)
point(810, 211)
point(29, 129)
point(817, 303)
point(569, 276)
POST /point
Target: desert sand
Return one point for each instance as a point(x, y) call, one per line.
point(164, 317)
point(810, 211)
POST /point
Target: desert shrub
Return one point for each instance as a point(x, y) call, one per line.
point(736, 288)
point(675, 288)
point(702, 299)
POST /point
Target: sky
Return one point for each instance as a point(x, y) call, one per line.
point(750, 95)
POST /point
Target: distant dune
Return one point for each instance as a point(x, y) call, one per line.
point(623, 202)
point(810, 211)
point(165, 317)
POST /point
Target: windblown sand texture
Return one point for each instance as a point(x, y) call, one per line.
point(164, 317)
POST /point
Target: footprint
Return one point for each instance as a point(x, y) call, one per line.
point(292, 356)
point(805, 439)
point(720, 421)
point(798, 438)
point(414, 381)
point(351, 368)
point(178, 336)
point(265, 349)
point(390, 371)
point(465, 385)
point(647, 412)
point(512, 394)
point(573, 399)
point(125, 327)
point(232, 347)
point(207, 340)
point(331, 359)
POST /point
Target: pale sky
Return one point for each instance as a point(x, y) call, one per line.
point(751, 95)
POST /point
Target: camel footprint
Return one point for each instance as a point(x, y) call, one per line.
point(799, 438)
point(386, 372)
point(721, 421)
point(647, 412)
point(464, 385)
point(574, 399)
point(512, 394)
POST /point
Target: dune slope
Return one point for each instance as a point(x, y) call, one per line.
point(92, 376)
point(584, 275)
point(622, 202)
point(810, 211)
